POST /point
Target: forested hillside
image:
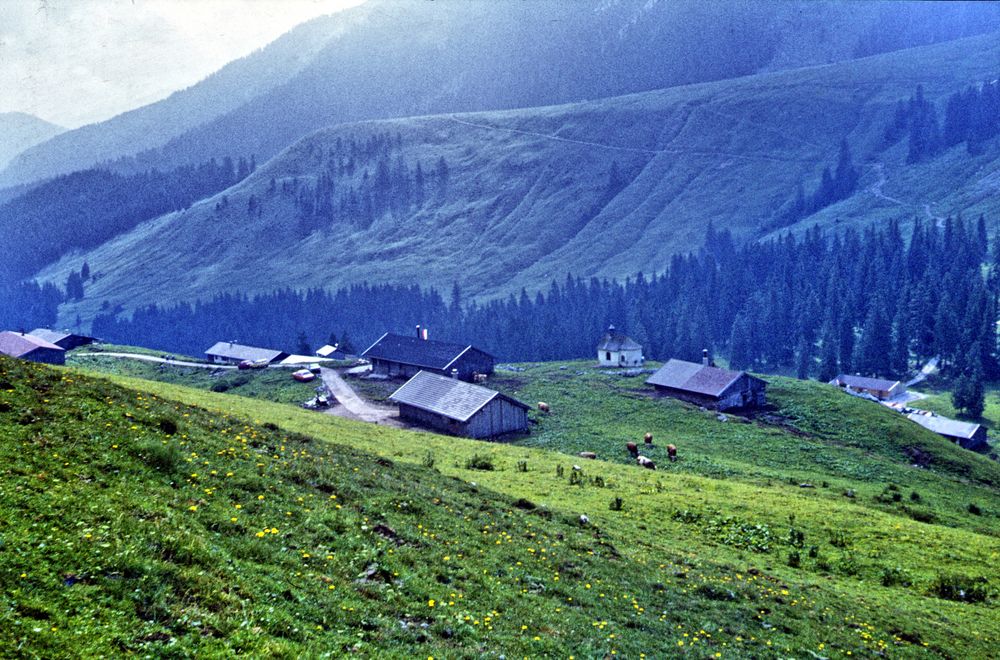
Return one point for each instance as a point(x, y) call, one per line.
point(504, 201)
point(820, 305)
point(82, 210)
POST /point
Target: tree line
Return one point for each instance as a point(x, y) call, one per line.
point(86, 208)
point(866, 302)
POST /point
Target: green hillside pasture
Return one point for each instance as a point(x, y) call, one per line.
point(710, 536)
point(271, 384)
point(136, 525)
point(814, 434)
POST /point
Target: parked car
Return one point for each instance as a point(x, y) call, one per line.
point(245, 364)
point(315, 368)
point(303, 375)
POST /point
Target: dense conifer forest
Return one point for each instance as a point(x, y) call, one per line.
point(872, 303)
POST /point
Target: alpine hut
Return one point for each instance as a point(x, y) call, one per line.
point(28, 347)
point(878, 387)
point(399, 356)
point(618, 350)
point(224, 352)
point(64, 340)
point(455, 407)
point(708, 386)
point(966, 434)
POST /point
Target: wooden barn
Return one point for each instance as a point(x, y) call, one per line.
point(877, 387)
point(618, 350)
point(449, 405)
point(227, 352)
point(64, 340)
point(708, 386)
point(966, 434)
point(28, 347)
point(399, 356)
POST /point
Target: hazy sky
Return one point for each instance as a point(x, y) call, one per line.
point(73, 62)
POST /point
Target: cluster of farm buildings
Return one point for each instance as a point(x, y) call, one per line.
point(444, 391)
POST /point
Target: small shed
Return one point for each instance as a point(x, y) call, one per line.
point(400, 356)
point(224, 352)
point(879, 388)
point(64, 340)
point(28, 347)
point(455, 407)
point(332, 352)
point(618, 350)
point(712, 387)
point(967, 434)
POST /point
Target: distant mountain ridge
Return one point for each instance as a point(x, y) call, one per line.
point(389, 58)
point(503, 200)
point(19, 131)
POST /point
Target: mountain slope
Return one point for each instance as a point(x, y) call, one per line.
point(503, 200)
point(153, 125)
point(391, 58)
point(21, 131)
point(869, 572)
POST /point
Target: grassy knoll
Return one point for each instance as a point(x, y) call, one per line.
point(272, 384)
point(133, 524)
point(748, 565)
point(138, 350)
point(814, 435)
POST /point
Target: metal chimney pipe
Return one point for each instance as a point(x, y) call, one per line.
point(704, 357)
point(418, 331)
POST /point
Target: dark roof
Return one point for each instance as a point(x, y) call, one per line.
point(16, 344)
point(864, 383)
point(233, 351)
point(53, 336)
point(416, 352)
point(616, 341)
point(693, 377)
point(945, 426)
point(450, 397)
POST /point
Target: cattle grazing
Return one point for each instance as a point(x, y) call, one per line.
point(645, 462)
point(544, 407)
point(632, 448)
point(648, 438)
point(587, 454)
point(672, 453)
point(479, 378)
point(584, 520)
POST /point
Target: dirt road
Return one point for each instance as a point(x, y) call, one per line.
point(353, 404)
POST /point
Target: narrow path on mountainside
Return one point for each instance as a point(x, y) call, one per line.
point(880, 181)
point(601, 145)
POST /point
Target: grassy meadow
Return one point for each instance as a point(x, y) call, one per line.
point(723, 552)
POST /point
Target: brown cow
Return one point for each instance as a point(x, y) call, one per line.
point(645, 462)
point(672, 453)
point(648, 438)
point(632, 448)
point(544, 407)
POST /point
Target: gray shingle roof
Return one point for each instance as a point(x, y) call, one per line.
point(864, 383)
point(15, 344)
point(416, 352)
point(233, 351)
point(945, 425)
point(450, 397)
point(616, 341)
point(693, 377)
